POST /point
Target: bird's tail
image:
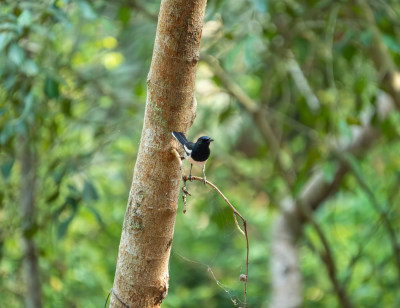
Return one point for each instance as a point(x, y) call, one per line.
point(180, 137)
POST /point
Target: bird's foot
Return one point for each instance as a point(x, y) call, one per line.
point(204, 180)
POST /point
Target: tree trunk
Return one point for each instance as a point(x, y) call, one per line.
point(286, 277)
point(141, 278)
point(30, 264)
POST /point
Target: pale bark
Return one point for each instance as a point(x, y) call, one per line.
point(141, 278)
point(30, 263)
point(286, 277)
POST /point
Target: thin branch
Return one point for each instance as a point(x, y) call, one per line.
point(235, 213)
point(301, 82)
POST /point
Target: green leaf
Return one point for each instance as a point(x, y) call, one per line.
point(391, 43)
point(328, 170)
point(226, 114)
point(63, 226)
point(366, 37)
point(89, 191)
point(7, 132)
point(30, 68)
point(25, 19)
point(260, 5)
point(5, 39)
point(16, 54)
point(53, 196)
point(344, 129)
point(51, 88)
point(87, 10)
point(30, 230)
point(66, 107)
point(124, 15)
point(6, 168)
point(97, 215)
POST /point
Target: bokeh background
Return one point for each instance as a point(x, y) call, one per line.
point(72, 98)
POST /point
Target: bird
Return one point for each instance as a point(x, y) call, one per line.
point(196, 153)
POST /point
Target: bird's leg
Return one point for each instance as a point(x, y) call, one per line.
point(204, 178)
point(190, 172)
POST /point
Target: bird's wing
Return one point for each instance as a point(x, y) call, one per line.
point(180, 137)
point(188, 148)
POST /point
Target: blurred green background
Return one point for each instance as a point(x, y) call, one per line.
point(73, 91)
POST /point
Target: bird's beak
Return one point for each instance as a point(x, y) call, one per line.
point(211, 140)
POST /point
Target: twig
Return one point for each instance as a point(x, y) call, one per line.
point(235, 213)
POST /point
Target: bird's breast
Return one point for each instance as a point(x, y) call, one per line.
point(194, 162)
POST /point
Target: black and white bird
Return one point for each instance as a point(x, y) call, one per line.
point(196, 153)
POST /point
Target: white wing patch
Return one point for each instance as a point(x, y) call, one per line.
point(187, 151)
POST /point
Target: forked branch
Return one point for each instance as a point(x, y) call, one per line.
point(235, 214)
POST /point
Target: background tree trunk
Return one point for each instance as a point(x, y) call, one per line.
point(141, 278)
point(31, 265)
point(286, 277)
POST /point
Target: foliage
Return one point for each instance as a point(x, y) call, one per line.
point(73, 81)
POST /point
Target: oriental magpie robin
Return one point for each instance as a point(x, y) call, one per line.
point(196, 153)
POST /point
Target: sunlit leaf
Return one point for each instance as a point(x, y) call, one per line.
point(16, 54)
point(25, 19)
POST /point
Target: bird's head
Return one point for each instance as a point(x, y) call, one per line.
point(204, 140)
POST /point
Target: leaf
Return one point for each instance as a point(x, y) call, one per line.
point(328, 170)
point(89, 191)
point(226, 114)
point(7, 132)
point(66, 107)
point(351, 120)
point(16, 54)
point(25, 19)
point(344, 129)
point(5, 39)
point(97, 215)
point(366, 37)
point(51, 88)
point(30, 230)
point(124, 15)
point(30, 68)
point(260, 5)
point(391, 43)
point(63, 226)
point(53, 196)
point(87, 10)
point(6, 168)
